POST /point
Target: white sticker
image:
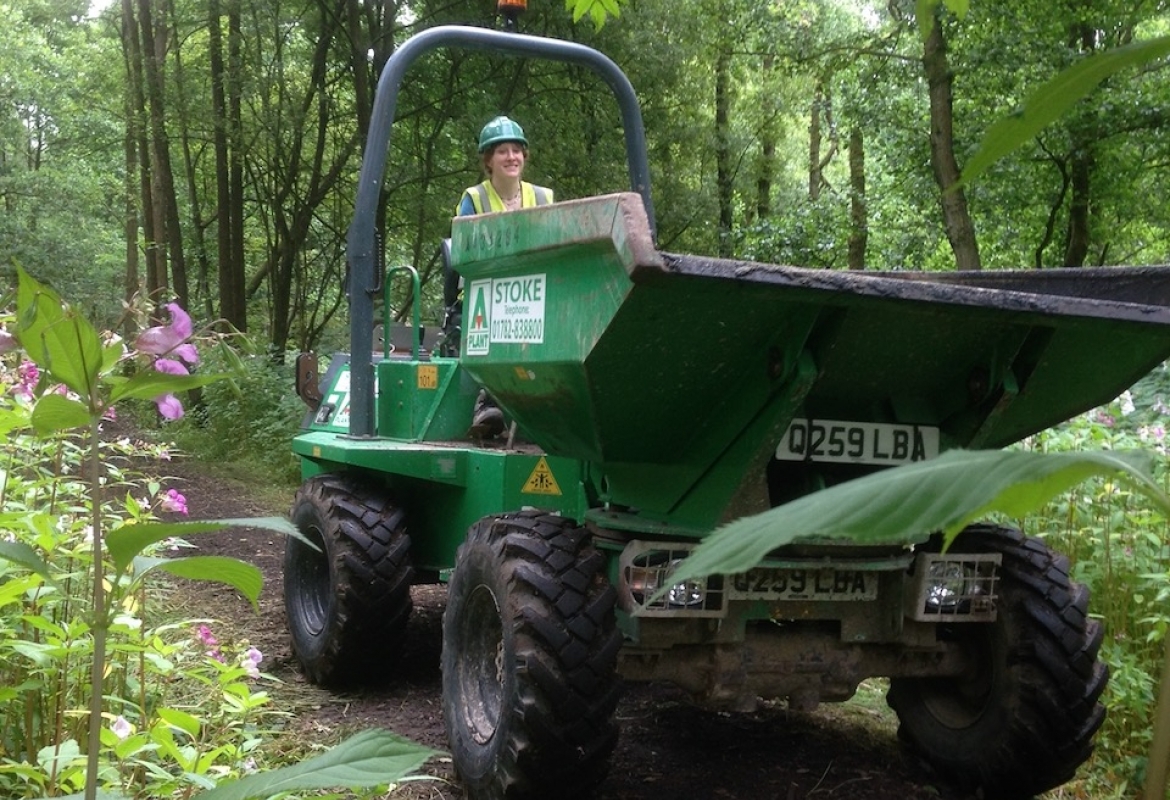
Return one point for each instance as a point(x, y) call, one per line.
point(517, 315)
point(505, 311)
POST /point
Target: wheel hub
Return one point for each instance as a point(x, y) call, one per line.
point(482, 668)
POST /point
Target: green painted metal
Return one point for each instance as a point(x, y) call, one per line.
point(675, 376)
point(446, 489)
point(667, 380)
point(415, 312)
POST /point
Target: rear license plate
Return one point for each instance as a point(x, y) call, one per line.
point(857, 442)
point(804, 584)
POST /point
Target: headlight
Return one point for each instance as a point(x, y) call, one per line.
point(646, 579)
point(954, 586)
point(947, 580)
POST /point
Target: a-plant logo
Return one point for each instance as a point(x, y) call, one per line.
point(479, 329)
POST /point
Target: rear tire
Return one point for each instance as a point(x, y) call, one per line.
point(348, 604)
point(1022, 719)
point(530, 646)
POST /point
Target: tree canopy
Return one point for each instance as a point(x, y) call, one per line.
point(208, 151)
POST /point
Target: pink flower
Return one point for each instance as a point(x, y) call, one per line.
point(170, 340)
point(169, 407)
point(121, 727)
point(208, 640)
point(173, 502)
point(204, 634)
point(27, 376)
point(251, 662)
point(170, 367)
point(162, 340)
point(8, 342)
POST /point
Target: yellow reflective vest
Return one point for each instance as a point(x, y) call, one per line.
point(484, 197)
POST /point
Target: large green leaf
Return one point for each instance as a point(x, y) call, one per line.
point(148, 384)
point(240, 575)
point(21, 554)
point(54, 413)
point(128, 541)
point(58, 338)
point(371, 758)
point(906, 503)
point(1056, 97)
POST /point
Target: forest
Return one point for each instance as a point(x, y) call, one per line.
point(162, 155)
point(207, 152)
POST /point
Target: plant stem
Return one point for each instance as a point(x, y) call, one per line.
point(100, 623)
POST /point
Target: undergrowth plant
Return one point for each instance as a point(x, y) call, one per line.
point(248, 420)
point(1119, 546)
point(96, 696)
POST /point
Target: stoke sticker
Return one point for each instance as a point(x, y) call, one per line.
point(506, 311)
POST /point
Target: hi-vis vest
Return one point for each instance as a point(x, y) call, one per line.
point(484, 197)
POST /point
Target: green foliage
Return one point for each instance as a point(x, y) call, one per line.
point(598, 10)
point(908, 503)
point(808, 234)
point(1055, 98)
point(248, 420)
point(98, 698)
point(1119, 546)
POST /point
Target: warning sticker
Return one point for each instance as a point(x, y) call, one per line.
point(541, 481)
point(428, 376)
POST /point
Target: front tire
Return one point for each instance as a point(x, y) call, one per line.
point(529, 661)
point(347, 605)
point(1022, 718)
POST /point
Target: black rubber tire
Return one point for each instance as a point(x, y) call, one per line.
point(1022, 719)
point(348, 605)
point(530, 646)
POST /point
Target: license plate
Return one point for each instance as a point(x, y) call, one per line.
point(804, 584)
point(857, 442)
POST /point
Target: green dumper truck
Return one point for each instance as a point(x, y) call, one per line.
point(655, 396)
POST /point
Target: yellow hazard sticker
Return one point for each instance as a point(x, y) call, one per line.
point(541, 481)
point(428, 376)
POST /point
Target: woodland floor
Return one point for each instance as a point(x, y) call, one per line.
point(667, 749)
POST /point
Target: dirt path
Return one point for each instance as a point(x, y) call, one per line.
point(667, 749)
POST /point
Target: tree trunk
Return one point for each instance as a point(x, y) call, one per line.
point(166, 208)
point(959, 227)
point(133, 134)
point(236, 273)
point(1079, 228)
point(768, 137)
point(858, 211)
point(230, 294)
point(723, 157)
point(814, 143)
point(301, 180)
point(156, 273)
point(190, 173)
point(1081, 163)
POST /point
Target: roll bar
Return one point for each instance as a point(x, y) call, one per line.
point(361, 246)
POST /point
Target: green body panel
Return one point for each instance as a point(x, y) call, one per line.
point(675, 376)
point(444, 489)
